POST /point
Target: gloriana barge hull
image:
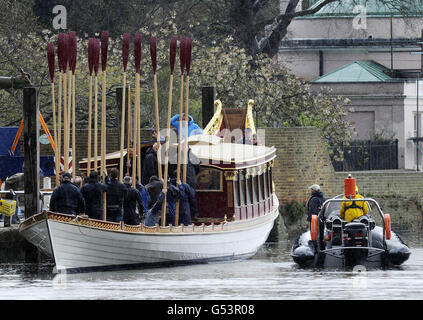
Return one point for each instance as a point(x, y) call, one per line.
point(81, 244)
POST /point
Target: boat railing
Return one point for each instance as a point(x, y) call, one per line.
point(370, 200)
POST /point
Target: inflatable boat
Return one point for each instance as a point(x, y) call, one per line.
point(335, 242)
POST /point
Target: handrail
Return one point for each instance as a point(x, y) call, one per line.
point(354, 200)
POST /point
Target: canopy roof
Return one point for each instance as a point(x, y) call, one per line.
point(358, 71)
point(233, 155)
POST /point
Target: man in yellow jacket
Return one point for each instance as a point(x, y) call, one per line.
point(351, 210)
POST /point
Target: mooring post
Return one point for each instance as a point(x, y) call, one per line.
point(208, 94)
point(31, 134)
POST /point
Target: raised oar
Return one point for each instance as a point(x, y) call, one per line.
point(188, 66)
point(69, 104)
point(128, 139)
point(104, 46)
point(91, 55)
point(153, 54)
point(72, 66)
point(50, 58)
point(135, 142)
point(125, 54)
point(96, 49)
point(181, 104)
point(172, 55)
point(138, 128)
point(65, 102)
point(60, 49)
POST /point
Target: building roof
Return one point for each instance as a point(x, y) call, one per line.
point(374, 8)
point(358, 71)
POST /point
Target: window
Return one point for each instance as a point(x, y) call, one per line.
point(255, 189)
point(209, 179)
point(248, 190)
point(419, 124)
point(265, 184)
point(236, 191)
point(242, 188)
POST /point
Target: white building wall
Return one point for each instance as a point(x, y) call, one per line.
point(410, 110)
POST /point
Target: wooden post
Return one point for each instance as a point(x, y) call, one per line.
point(31, 151)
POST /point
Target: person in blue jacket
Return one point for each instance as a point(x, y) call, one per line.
point(193, 128)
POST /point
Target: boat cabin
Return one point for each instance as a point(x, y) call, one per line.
point(235, 180)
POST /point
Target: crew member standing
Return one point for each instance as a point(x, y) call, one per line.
point(93, 195)
point(67, 197)
point(131, 198)
point(114, 197)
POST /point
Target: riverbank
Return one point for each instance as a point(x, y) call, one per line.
point(16, 249)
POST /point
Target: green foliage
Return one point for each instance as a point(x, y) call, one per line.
point(293, 212)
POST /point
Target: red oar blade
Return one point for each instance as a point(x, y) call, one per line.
point(104, 47)
point(50, 59)
point(96, 43)
point(72, 50)
point(182, 54)
point(153, 53)
point(188, 55)
point(62, 51)
point(172, 53)
point(137, 52)
point(125, 50)
point(91, 54)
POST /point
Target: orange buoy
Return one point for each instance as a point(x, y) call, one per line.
point(314, 225)
point(387, 226)
point(349, 187)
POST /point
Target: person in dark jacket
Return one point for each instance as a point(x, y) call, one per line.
point(150, 165)
point(315, 202)
point(67, 198)
point(131, 198)
point(154, 187)
point(153, 214)
point(114, 197)
point(193, 168)
point(186, 195)
point(93, 195)
point(144, 193)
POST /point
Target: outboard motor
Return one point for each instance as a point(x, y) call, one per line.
point(355, 234)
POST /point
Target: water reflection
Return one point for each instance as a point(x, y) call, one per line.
point(270, 274)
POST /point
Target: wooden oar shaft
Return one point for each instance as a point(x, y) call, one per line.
point(122, 127)
point(178, 169)
point(135, 126)
point(59, 128)
point(128, 138)
point(186, 132)
point(156, 107)
point(65, 123)
point(139, 134)
point(73, 128)
point(96, 123)
point(90, 110)
point(53, 104)
point(103, 127)
point(166, 170)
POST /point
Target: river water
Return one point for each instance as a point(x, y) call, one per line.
point(269, 275)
